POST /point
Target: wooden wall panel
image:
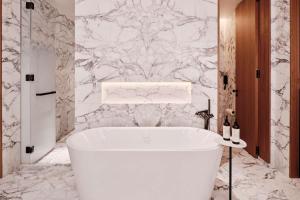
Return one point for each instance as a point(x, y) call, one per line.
point(264, 86)
point(246, 64)
point(253, 54)
point(295, 89)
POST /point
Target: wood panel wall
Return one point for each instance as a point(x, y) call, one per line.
point(264, 86)
point(253, 72)
point(295, 89)
point(246, 65)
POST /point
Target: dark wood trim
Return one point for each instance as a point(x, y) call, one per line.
point(295, 88)
point(1, 162)
point(264, 87)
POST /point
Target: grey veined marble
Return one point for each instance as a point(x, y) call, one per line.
point(54, 30)
point(227, 66)
point(50, 28)
point(52, 179)
point(146, 92)
point(11, 85)
point(145, 41)
point(280, 85)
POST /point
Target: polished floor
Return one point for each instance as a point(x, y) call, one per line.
point(53, 179)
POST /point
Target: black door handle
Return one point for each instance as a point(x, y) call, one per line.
point(45, 93)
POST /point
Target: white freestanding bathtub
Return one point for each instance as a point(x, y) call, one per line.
point(145, 163)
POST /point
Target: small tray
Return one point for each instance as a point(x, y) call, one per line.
point(229, 143)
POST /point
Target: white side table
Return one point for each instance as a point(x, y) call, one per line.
point(229, 144)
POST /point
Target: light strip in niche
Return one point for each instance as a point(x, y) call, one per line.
point(146, 92)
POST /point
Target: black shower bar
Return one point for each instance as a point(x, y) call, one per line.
point(45, 93)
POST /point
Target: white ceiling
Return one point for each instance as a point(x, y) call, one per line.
point(227, 7)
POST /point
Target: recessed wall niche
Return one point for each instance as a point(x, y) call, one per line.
point(146, 93)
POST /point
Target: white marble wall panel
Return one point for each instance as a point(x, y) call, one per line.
point(11, 85)
point(227, 66)
point(62, 33)
point(146, 93)
point(55, 32)
point(280, 85)
point(144, 41)
point(11, 69)
point(65, 69)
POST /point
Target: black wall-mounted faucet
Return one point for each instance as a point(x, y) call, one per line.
point(206, 115)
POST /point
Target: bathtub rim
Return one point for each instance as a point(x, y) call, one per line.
point(170, 149)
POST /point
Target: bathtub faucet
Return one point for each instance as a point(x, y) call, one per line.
point(206, 115)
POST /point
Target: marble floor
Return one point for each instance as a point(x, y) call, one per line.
point(53, 179)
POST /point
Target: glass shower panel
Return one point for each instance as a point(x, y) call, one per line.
point(38, 95)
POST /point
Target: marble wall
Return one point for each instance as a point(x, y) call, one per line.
point(50, 29)
point(62, 39)
point(146, 92)
point(280, 85)
point(11, 85)
point(140, 41)
point(65, 71)
point(144, 41)
point(47, 28)
point(227, 48)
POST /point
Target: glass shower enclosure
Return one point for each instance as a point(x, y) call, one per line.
point(38, 61)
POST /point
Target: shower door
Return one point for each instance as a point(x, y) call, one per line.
point(38, 82)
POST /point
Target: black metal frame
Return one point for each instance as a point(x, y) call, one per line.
point(230, 173)
point(30, 5)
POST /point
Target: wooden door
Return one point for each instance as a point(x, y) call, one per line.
point(253, 64)
point(246, 66)
point(295, 90)
point(264, 81)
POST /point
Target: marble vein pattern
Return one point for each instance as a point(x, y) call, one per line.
point(52, 179)
point(11, 70)
point(55, 32)
point(65, 71)
point(280, 84)
point(11, 85)
point(144, 41)
point(37, 182)
point(146, 93)
point(227, 48)
point(253, 179)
